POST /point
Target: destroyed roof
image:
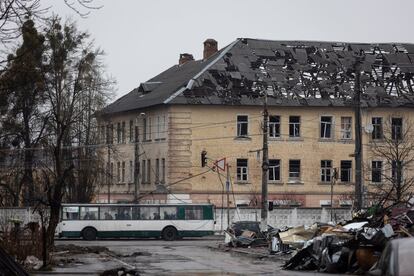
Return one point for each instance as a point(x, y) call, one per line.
point(291, 73)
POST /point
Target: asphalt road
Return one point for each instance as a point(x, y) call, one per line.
point(158, 257)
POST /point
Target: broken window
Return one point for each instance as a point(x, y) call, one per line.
point(242, 125)
point(376, 171)
point(396, 128)
point(242, 170)
point(294, 169)
point(377, 132)
point(274, 126)
point(274, 170)
point(346, 170)
point(326, 127)
point(326, 170)
point(346, 127)
point(294, 126)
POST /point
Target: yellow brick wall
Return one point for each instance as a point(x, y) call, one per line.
point(194, 128)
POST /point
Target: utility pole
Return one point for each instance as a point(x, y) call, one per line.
point(228, 194)
point(333, 181)
point(109, 174)
point(136, 166)
point(265, 168)
point(358, 137)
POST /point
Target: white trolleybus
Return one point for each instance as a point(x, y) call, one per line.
point(169, 221)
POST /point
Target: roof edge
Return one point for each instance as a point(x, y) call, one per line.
point(192, 80)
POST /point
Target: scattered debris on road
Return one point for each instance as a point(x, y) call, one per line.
point(120, 271)
point(347, 247)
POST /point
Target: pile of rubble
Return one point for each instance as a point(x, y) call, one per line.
point(354, 246)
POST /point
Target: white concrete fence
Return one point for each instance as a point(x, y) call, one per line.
point(281, 217)
point(278, 218)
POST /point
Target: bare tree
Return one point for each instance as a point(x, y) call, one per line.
point(75, 86)
point(392, 162)
point(13, 13)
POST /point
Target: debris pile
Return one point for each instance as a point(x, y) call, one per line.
point(348, 247)
point(353, 247)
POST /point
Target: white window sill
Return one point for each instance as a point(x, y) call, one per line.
point(242, 182)
point(295, 182)
point(243, 138)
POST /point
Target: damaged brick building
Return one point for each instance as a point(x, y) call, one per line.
point(215, 105)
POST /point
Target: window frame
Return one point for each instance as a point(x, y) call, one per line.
point(157, 170)
point(324, 126)
point(239, 125)
point(144, 171)
point(377, 128)
point(274, 127)
point(346, 171)
point(123, 171)
point(163, 170)
point(118, 133)
point(326, 172)
point(293, 126)
point(344, 131)
point(274, 168)
point(131, 131)
point(291, 172)
point(396, 130)
point(242, 171)
point(377, 170)
point(118, 172)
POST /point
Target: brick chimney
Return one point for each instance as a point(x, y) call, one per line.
point(184, 58)
point(210, 48)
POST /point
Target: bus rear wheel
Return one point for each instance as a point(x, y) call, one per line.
point(89, 234)
point(169, 233)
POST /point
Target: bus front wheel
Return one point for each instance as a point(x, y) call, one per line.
point(169, 233)
point(89, 234)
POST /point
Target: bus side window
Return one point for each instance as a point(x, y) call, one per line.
point(149, 213)
point(124, 213)
point(135, 213)
point(168, 212)
point(70, 213)
point(108, 212)
point(194, 213)
point(89, 213)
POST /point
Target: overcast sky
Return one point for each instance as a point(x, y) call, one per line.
point(141, 38)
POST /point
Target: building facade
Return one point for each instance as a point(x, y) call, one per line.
point(215, 105)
